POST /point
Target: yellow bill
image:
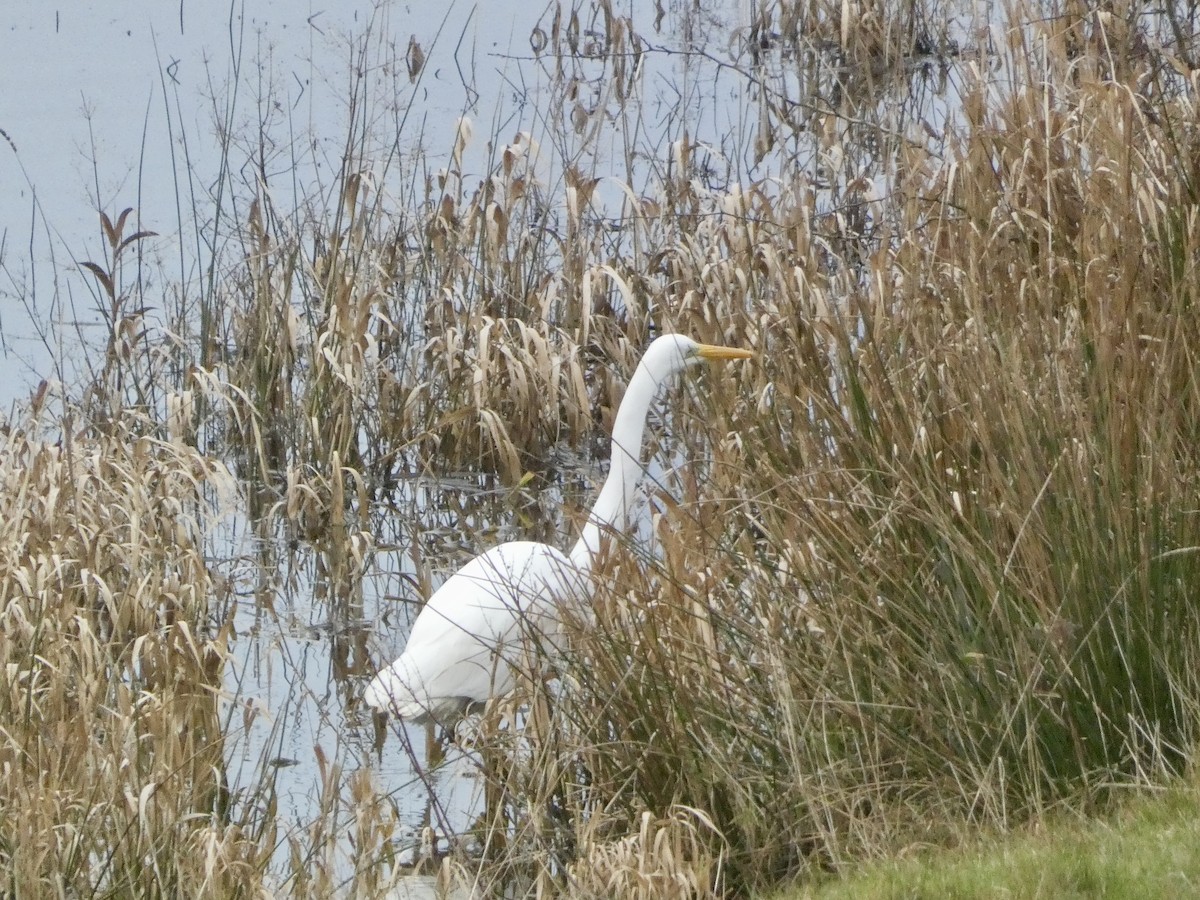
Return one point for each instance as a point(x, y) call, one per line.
point(712, 351)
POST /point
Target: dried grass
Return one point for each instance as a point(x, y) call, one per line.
point(112, 745)
point(929, 561)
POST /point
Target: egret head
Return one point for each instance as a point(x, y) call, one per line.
point(672, 353)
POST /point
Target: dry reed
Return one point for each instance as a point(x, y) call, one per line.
point(928, 562)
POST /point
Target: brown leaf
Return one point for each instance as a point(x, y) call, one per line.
point(121, 220)
point(103, 277)
point(141, 235)
point(109, 231)
point(415, 59)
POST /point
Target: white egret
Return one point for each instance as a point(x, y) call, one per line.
point(472, 635)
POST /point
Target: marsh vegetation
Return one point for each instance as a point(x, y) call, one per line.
point(930, 562)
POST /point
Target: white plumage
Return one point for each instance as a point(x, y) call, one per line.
point(501, 611)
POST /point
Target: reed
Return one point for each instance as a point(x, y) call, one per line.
point(936, 564)
point(926, 564)
point(112, 745)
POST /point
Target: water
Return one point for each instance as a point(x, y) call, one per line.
point(308, 643)
point(119, 104)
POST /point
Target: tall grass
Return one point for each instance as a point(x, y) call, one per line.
point(112, 745)
point(946, 568)
point(928, 561)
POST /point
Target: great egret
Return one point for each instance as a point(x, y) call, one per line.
point(470, 638)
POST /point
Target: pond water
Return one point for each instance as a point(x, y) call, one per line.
point(116, 105)
point(121, 104)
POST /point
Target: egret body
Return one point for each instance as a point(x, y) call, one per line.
point(473, 635)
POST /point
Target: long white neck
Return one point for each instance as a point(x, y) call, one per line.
point(611, 512)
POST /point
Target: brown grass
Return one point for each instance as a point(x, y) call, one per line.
point(112, 745)
point(928, 561)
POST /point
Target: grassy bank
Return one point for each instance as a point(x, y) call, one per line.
point(1147, 849)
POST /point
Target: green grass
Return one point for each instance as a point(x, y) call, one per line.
point(1150, 847)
